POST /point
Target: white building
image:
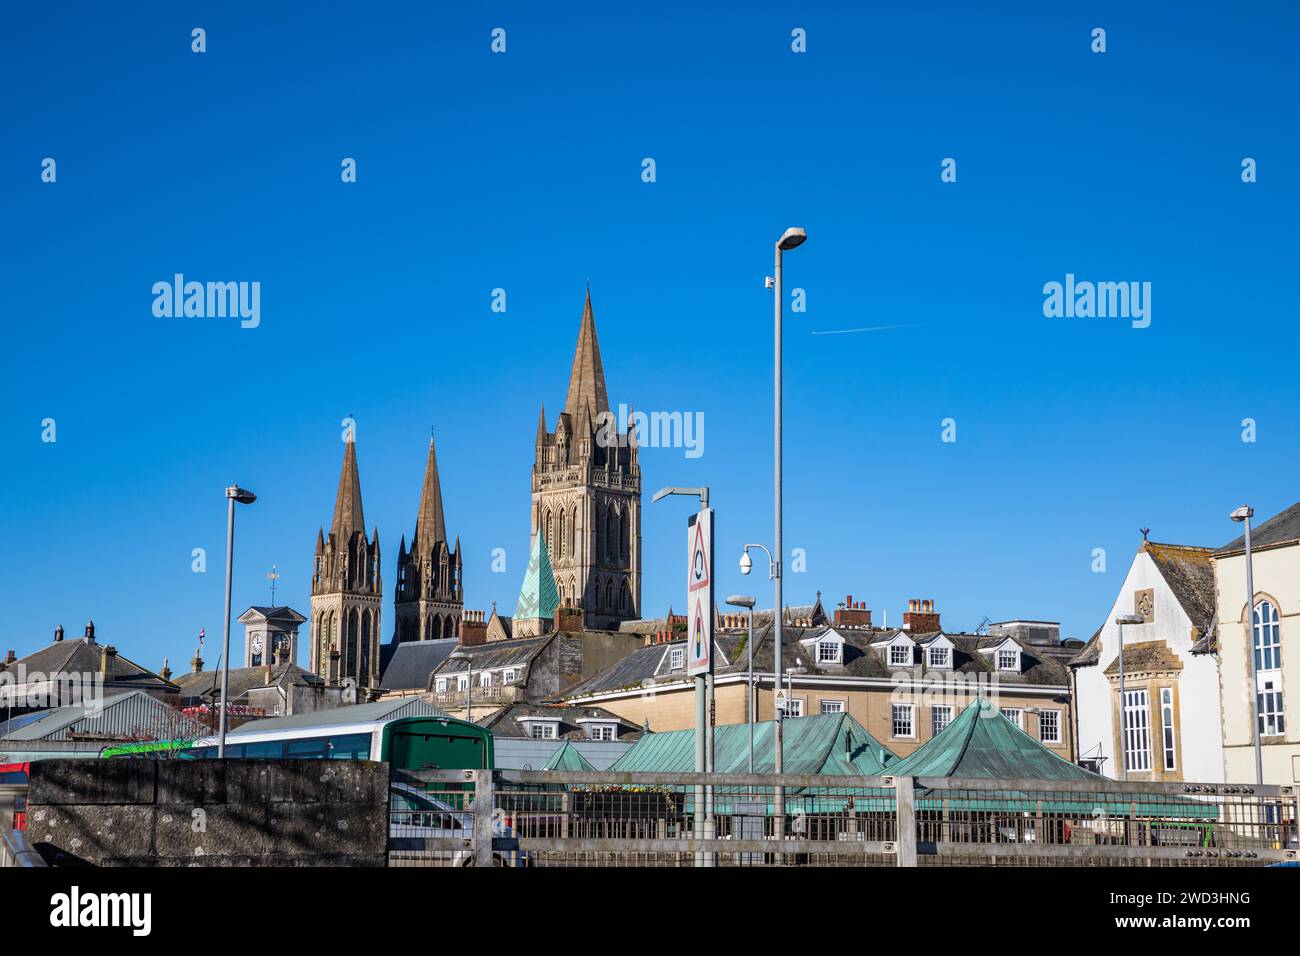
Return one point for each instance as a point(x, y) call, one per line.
point(1171, 682)
point(1276, 639)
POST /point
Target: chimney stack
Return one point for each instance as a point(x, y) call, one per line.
point(58, 633)
point(197, 663)
point(921, 617)
point(106, 654)
point(851, 615)
point(90, 632)
point(166, 672)
point(473, 628)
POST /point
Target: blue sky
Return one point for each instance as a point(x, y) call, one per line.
point(523, 171)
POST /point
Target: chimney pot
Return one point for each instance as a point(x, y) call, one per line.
point(58, 633)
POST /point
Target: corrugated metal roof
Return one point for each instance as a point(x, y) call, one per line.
point(982, 742)
point(527, 753)
point(133, 713)
point(811, 745)
point(339, 716)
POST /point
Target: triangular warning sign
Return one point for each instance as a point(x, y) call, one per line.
point(699, 560)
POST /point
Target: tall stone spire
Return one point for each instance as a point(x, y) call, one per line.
point(347, 505)
point(429, 524)
point(587, 380)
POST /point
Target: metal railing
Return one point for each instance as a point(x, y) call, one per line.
point(15, 849)
point(588, 818)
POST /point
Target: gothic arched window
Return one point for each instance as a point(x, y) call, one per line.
point(622, 596)
point(563, 536)
point(550, 535)
point(573, 530)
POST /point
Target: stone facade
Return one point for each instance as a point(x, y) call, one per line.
point(587, 495)
point(346, 589)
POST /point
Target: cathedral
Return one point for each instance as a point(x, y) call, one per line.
point(587, 495)
point(346, 588)
point(585, 533)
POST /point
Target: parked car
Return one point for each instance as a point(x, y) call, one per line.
point(416, 817)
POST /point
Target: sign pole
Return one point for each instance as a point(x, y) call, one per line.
point(699, 661)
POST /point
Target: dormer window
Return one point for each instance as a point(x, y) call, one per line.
point(542, 729)
point(509, 677)
point(1008, 659)
point(600, 729)
point(941, 656)
point(829, 652)
point(900, 655)
point(676, 659)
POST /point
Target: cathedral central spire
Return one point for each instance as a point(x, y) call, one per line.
point(429, 524)
point(587, 380)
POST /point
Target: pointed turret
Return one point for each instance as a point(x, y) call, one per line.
point(538, 596)
point(320, 540)
point(429, 525)
point(348, 516)
point(541, 425)
point(587, 380)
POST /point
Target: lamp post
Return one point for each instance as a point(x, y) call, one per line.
point(740, 600)
point(790, 239)
point(1244, 514)
point(1123, 705)
point(747, 565)
point(245, 497)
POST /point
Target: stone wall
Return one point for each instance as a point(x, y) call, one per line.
point(128, 812)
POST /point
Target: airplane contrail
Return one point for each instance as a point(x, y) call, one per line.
point(870, 328)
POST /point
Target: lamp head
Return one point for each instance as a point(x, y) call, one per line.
point(1242, 513)
point(792, 237)
point(1129, 619)
point(741, 600)
point(746, 563)
point(242, 495)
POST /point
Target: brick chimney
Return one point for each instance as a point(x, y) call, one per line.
point(106, 654)
point(166, 672)
point(921, 617)
point(568, 617)
point(197, 664)
point(473, 628)
point(849, 614)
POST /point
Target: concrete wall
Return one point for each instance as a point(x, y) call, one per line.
point(1277, 579)
point(128, 812)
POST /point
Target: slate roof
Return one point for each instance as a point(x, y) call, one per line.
point(1091, 652)
point(1040, 665)
point(342, 716)
point(513, 653)
point(506, 722)
point(79, 656)
point(282, 613)
point(826, 743)
point(411, 663)
point(205, 686)
point(1282, 528)
point(982, 742)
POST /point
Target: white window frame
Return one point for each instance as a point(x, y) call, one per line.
point(462, 682)
point(600, 731)
point(440, 685)
point(831, 707)
point(793, 707)
point(1168, 733)
point(1011, 662)
point(907, 713)
point(935, 728)
point(1054, 723)
point(1135, 730)
point(902, 650)
point(485, 679)
point(835, 648)
point(1266, 646)
point(1016, 715)
point(676, 659)
point(542, 729)
point(944, 661)
point(509, 677)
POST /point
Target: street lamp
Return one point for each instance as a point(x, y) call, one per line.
point(790, 239)
point(245, 497)
point(1243, 515)
point(1123, 707)
point(740, 600)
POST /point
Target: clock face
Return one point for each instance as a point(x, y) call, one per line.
point(257, 643)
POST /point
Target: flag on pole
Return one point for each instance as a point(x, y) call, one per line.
point(200, 638)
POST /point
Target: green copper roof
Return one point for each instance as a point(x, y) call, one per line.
point(812, 745)
point(568, 758)
point(538, 597)
point(982, 742)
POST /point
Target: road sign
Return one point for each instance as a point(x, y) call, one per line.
point(699, 592)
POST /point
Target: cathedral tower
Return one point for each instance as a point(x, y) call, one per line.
point(428, 600)
point(587, 495)
point(346, 589)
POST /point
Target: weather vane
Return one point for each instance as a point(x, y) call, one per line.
point(273, 577)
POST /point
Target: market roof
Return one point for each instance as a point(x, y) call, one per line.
point(983, 742)
point(826, 743)
point(568, 758)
